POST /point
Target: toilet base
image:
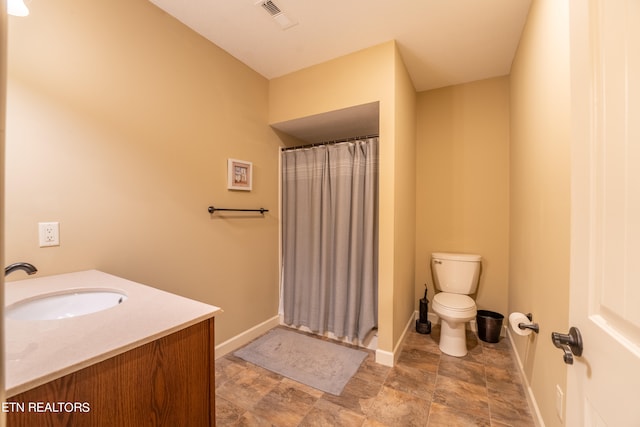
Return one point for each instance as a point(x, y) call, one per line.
point(453, 338)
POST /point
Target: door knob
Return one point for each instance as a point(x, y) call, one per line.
point(570, 343)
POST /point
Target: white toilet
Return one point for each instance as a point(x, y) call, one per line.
point(456, 276)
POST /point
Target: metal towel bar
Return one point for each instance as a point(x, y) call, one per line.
point(211, 210)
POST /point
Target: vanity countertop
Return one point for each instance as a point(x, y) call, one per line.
point(39, 351)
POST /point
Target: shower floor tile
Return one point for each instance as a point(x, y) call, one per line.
point(425, 388)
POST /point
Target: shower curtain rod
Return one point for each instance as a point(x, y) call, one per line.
point(335, 141)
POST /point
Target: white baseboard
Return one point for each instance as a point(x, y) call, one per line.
point(531, 400)
point(388, 358)
point(432, 317)
point(385, 358)
point(238, 341)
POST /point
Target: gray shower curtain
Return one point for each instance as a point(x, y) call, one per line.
point(330, 238)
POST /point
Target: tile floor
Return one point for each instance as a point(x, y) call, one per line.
point(425, 388)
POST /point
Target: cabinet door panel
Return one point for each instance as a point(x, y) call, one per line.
point(168, 382)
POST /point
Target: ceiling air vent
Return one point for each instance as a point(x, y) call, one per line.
point(271, 7)
point(277, 14)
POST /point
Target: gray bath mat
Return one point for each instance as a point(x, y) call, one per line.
point(317, 363)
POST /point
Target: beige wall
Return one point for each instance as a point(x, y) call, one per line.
point(120, 121)
point(462, 194)
point(359, 78)
point(540, 195)
point(405, 201)
point(373, 74)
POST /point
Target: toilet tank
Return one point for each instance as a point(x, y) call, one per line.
point(455, 273)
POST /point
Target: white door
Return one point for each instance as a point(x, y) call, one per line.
point(603, 386)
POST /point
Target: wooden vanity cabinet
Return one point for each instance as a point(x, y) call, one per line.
point(168, 382)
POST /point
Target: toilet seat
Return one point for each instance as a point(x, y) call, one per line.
point(454, 305)
point(454, 302)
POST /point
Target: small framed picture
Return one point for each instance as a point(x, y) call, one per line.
point(239, 175)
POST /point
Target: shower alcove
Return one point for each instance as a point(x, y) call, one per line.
point(357, 122)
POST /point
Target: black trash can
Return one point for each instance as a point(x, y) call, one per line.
point(489, 325)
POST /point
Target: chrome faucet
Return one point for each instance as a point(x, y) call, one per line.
point(25, 266)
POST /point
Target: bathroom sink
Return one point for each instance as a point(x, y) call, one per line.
point(66, 304)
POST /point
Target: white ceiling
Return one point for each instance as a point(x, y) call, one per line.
point(442, 42)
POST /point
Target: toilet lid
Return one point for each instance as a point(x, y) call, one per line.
point(454, 301)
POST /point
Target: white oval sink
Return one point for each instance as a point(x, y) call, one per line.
point(72, 303)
